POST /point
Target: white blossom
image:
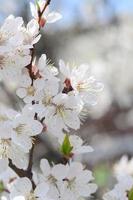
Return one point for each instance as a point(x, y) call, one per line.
point(121, 189)
point(24, 128)
point(124, 165)
point(80, 80)
point(22, 190)
point(27, 91)
point(63, 113)
point(70, 179)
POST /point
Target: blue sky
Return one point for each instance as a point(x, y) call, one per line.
point(123, 5)
point(69, 8)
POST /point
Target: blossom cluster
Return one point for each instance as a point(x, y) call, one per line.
point(54, 103)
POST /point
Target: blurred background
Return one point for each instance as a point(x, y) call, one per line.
point(98, 32)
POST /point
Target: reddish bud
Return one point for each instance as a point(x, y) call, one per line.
point(42, 22)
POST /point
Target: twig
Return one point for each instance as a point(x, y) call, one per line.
point(40, 13)
point(46, 4)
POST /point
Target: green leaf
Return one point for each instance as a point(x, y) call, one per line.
point(66, 147)
point(1, 187)
point(130, 194)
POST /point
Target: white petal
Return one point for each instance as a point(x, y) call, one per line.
point(23, 141)
point(25, 81)
point(36, 127)
point(18, 157)
point(64, 69)
point(41, 190)
point(60, 171)
point(22, 187)
point(21, 92)
point(72, 120)
point(53, 17)
point(45, 167)
point(87, 190)
point(39, 84)
point(28, 99)
point(3, 165)
point(33, 10)
point(42, 62)
point(74, 170)
point(85, 176)
point(33, 27)
point(83, 149)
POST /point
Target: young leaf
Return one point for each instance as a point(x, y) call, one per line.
point(66, 147)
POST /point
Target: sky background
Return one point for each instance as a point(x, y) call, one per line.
point(70, 9)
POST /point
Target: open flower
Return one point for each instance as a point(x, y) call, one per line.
point(22, 190)
point(63, 113)
point(8, 149)
point(31, 33)
point(9, 31)
point(70, 179)
point(27, 91)
point(79, 80)
point(121, 189)
point(24, 128)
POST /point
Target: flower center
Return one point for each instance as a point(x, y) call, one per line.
point(71, 183)
point(46, 100)
point(2, 61)
point(4, 147)
point(31, 196)
point(31, 91)
point(82, 86)
point(20, 128)
point(2, 38)
point(60, 110)
point(3, 118)
point(52, 179)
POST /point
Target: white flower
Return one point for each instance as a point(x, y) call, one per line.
point(9, 150)
point(24, 128)
point(48, 17)
point(14, 60)
point(120, 191)
point(22, 190)
point(31, 33)
point(46, 69)
point(124, 165)
point(77, 144)
point(27, 91)
point(10, 30)
point(63, 114)
point(5, 183)
point(78, 79)
point(69, 179)
point(49, 81)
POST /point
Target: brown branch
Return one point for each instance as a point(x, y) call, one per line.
point(46, 5)
point(40, 13)
point(23, 173)
point(31, 159)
